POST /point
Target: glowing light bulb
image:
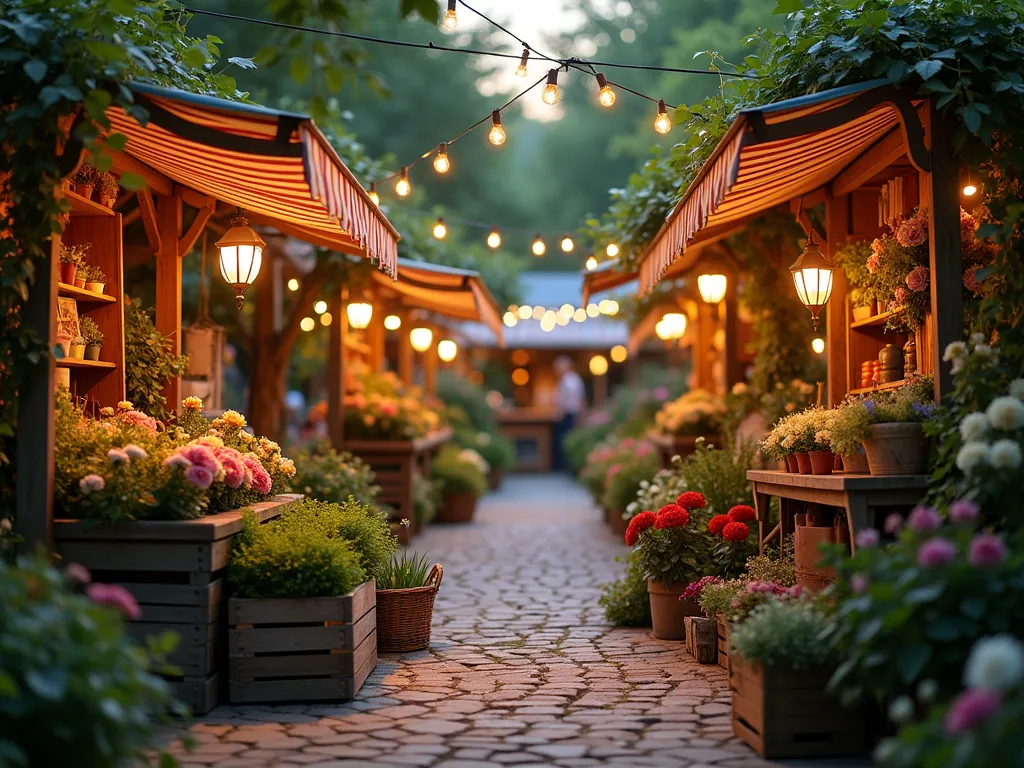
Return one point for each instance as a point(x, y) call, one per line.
point(598, 365)
point(662, 123)
point(440, 230)
point(525, 312)
point(421, 339)
point(374, 197)
point(402, 186)
point(593, 310)
point(538, 313)
point(447, 350)
point(451, 21)
point(494, 239)
point(307, 324)
point(320, 307)
point(392, 322)
point(441, 162)
point(566, 309)
point(293, 284)
point(567, 244)
point(551, 95)
point(579, 315)
point(618, 353)
point(326, 319)
point(612, 250)
point(605, 96)
point(510, 319)
point(591, 263)
point(970, 190)
point(818, 345)
point(538, 247)
point(521, 69)
point(497, 134)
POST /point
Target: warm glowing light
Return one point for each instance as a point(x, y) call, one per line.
point(591, 263)
point(538, 246)
point(550, 95)
point(307, 324)
point(612, 250)
point(712, 287)
point(599, 365)
point(402, 186)
point(451, 20)
point(525, 312)
point(818, 345)
point(320, 307)
point(812, 276)
point(359, 314)
point(593, 310)
point(579, 315)
point(550, 315)
point(605, 96)
point(566, 309)
point(538, 312)
point(970, 190)
point(562, 320)
point(440, 230)
point(374, 197)
point(447, 350)
point(494, 239)
point(293, 284)
point(618, 354)
point(441, 162)
point(510, 319)
point(662, 123)
point(520, 357)
point(326, 318)
point(421, 339)
point(671, 327)
point(547, 323)
point(520, 377)
point(241, 254)
point(392, 322)
point(497, 133)
point(567, 244)
point(521, 70)
point(608, 306)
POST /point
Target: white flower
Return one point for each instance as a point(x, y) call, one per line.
point(654, 488)
point(1006, 413)
point(954, 350)
point(996, 663)
point(978, 338)
point(645, 484)
point(135, 452)
point(901, 710)
point(927, 690)
point(631, 507)
point(1017, 388)
point(973, 427)
point(970, 456)
point(957, 366)
point(1005, 454)
point(983, 350)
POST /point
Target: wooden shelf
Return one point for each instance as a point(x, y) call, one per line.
point(879, 388)
point(81, 206)
point(878, 320)
point(63, 289)
point(71, 362)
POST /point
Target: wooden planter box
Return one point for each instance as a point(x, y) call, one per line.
point(677, 445)
point(701, 639)
point(175, 569)
point(723, 644)
point(394, 463)
point(319, 648)
point(782, 712)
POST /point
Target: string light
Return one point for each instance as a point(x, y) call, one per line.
point(599, 365)
point(538, 246)
point(618, 354)
point(441, 162)
point(593, 310)
point(521, 69)
point(579, 315)
point(307, 324)
point(510, 319)
point(591, 263)
point(662, 123)
point(402, 186)
point(326, 319)
point(392, 322)
point(818, 345)
point(538, 313)
point(551, 95)
point(494, 239)
point(320, 307)
point(520, 377)
point(525, 312)
point(440, 230)
point(447, 350)
point(612, 250)
point(497, 132)
point(451, 20)
point(374, 197)
point(293, 284)
point(605, 96)
point(566, 309)
point(421, 339)
point(567, 244)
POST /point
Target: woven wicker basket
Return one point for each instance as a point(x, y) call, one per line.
point(404, 615)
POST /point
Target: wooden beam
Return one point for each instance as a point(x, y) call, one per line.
point(168, 284)
point(405, 351)
point(148, 211)
point(729, 309)
point(336, 372)
point(155, 181)
point(186, 243)
point(430, 360)
point(193, 198)
point(837, 220)
point(704, 348)
point(799, 209)
point(131, 217)
point(375, 335)
point(870, 163)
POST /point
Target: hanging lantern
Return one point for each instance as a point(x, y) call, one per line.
point(447, 350)
point(359, 314)
point(812, 275)
point(712, 287)
point(241, 254)
point(672, 326)
point(421, 339)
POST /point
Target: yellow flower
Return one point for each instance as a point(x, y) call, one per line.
point(246, 436)
point(287, 467)
point(211, 440)
point(192, 403)
point(106, 411)
point(125, 405)
point(234, 419)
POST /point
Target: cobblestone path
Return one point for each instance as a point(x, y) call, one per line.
point(521, 671)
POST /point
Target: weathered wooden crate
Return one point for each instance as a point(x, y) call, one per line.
point(782, 712)
point(320, 648)
point(175, 570)
point(723, 644)
point(701, 639)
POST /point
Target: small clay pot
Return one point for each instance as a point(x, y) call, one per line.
point(85, 190)
point(897, 448)
point(821, 462)
point(92, 351)
point(495, 479)
point(79, 282)
point(106, 201)
point(95, 287)
point(668, 611)
point(77, 351)
point(457, 508)
point(803, 462)
point(67, 273)
point(856, 463)
point(791, 464)
point(862, 313)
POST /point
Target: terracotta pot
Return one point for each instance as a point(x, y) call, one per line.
point(668, 611)
point(821, 462)
point(79, 282)
point(92, 351)
point(791, 464)
point(95, 287)
point(77, 351)
point(85, 190)
point(457, 507)
point(896, 449)
point(66, 347)
point(803, 462)
point(107, 201)
point(806, 556)
point(495, 479)
point(67, 273)
point(862, 313)
point(856, 463)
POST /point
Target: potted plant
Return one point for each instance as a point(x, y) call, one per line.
point(85, 179)
point(77, 350)
point(95, 279)
point(462, 475)
point(93, 338)
point(71, 257)
point(855, 259)
point(849, 425)
point(406, 588)
point(820, 453)
point(108, 187)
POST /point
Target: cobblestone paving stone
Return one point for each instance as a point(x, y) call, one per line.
point(522, 669)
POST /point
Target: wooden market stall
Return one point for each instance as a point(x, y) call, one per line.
point(854, 151)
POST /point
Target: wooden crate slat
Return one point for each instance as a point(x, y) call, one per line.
point(317, 689)
point(333, 664)
point(199, 694)
point(345, 608)
point(138, 556)
point(195, 660)
point(283, 639)
point(181, 614)
point(203, 596)
point(188, 634)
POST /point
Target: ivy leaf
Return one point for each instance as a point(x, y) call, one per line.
point(928, 68)
point(972, 118)
point(299, 69)
point(913, 660)
point(242, 62)
point(36, 70)
point(49, 685)
point(784, 7)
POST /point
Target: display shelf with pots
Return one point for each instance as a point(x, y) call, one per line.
point(869, 346)
point(83, 296)
point(83, 206)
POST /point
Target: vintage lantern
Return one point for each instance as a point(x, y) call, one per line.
point(241, 254)
point(812, 275)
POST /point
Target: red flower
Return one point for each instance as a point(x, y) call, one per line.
point(692, 500)
point(735, 532)
point(638, 525)
point(672, 517)
point(741, 513)
point(717, 523)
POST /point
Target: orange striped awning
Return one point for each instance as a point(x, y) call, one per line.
point(275, 165)
point(606, 276)
point(770, 156)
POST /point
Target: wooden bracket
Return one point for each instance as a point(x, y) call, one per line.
point(148, 212)
point(186, 243)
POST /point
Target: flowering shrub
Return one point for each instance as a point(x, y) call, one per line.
point(383, 408)
point(623, 479)
point(326, 475)
point(715, 598)
point(606, 460)
point(783, 632)
point(697, 412)
point(665, 542)
point(456, 471)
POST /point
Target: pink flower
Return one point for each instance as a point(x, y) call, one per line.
point(203, 456)
point(260, 478)
point(972, 708)
point(115, 597)
point(77, 574)
point(138, 419)
point(912, 232)
point(91, 483)
point(900, 294)
point(660, 393)
point(868, 538)
point(235, 473)
point(874, 261)
point(936, 552)
point(388, 409)
point(967, 227)
point(117, 456)
point(917, 280)
point(971, 282)
point(859, 583)
point(986, 550)
point(199, 476)
point(963, 511)
point(924, 519)
point(177, 460)
point(893, 523)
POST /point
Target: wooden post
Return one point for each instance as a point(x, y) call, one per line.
point(336, 372)
point(940, 195)
point(600, 390)
point(430, 361)
point(837, 223)
point(35, 439)
point(168, 284)
point(704, 352)
point(730, 309)
point(375, 335)
point(405, 352)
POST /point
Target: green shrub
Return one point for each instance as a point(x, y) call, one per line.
point(783, 633)
point(405, 571)
point(326, 475)
point(581, 441)
point(148, 362)
point(456, 473)
point(775, 570)
point(76, 691)
point(426, 498)
point(625, 601)
point(721, 475)
point(291, 561)
point(623, 485)
point(457, 391)
point(716, 599)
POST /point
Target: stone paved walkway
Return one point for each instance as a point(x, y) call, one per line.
point(521, 671)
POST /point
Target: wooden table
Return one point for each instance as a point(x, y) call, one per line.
point(857, 495)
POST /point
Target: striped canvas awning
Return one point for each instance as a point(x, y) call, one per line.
point(770, 156)
point(275, 165)
point(457, 293)
point(607, 276)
